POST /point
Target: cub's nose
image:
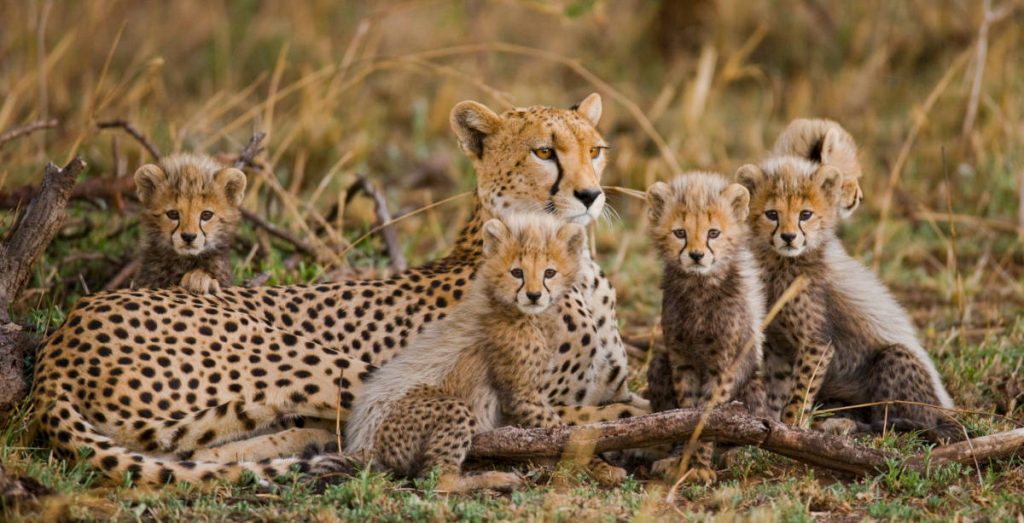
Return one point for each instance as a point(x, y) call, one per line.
point(188, 237)
point(788, 237)
point(533, 296)
point(696, 256)
point(587, 196)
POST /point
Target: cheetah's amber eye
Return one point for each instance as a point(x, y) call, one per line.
point(714, 233)
point(206, 215)
point(595, 152)
point(805, 215)
point(772, 215)
point(550, 273)
point(517, 273)
point(680, 233)
point(173, 215)
point(544, 153)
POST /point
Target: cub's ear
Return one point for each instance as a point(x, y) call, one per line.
point(494, 233)
point(148, 180)
point(590, 108)
point(739, 199)
point(828, 145)
point(829, 179)
point(750, 176)
point(232, 182)
point(472, 122)
point(573, 235)
point(657, 196)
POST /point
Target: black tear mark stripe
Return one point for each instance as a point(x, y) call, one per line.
point(708, 244)
point(558, 165)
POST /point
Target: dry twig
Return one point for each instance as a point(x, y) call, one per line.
point(26, 130)
point(384, 222)
point(134, 132)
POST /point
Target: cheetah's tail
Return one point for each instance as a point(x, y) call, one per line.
point(71, 431)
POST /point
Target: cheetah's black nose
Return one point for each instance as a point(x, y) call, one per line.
point(534, 296)
point(587, 196)
point(188, 237)
point(696, 255)
point(788, 237)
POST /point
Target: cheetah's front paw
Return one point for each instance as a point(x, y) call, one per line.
point(841, 426)
point(668, 469)
point(200, 282)
point(494, 480)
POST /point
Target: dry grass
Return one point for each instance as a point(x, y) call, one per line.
point(365, 88)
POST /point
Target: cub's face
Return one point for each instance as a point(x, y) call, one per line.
point(189, 210)
point(531, 262)
point(536, 160)
point(794, 204)
point(697, 221)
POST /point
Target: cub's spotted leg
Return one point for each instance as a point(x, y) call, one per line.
point(287, 443)
point(583, 414)
point(200, 282)
point(897, 374)
point(427, 430)
point(779, 378)
point(530, 410)
point(811, 366)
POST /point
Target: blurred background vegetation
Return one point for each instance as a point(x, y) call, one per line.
point(364, 88)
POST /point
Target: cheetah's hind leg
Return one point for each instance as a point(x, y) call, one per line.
point(287, 443)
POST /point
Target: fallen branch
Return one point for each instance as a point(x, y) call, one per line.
point(20, 249)
point(732, 424)
point(248, 154)
point(387, 229)
point(26, 130)
point(278, 232)
point(134, 132)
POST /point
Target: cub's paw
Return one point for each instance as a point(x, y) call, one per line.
point(668, 469)
point(200, 282)
point(494, 480)
point(840, 426)
point(605, 474)
point(700, 474)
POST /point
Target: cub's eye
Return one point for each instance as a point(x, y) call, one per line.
point(206, 215)
point(714, 233)
point(517, 273)
point(173, 215)
point(544, 153)
point(550, 273)
point(680, 233)
point(595, 152)
point(805, 215)
point(772, 215)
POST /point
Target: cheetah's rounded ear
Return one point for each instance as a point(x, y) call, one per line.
point(750, 176)
point(494, 233)
point(574, 236)
point(590, 108)
point(148, 180)
point(739, 199)
point(829, 180)
point(657, 196)
point(472, 122)
point(232, 181)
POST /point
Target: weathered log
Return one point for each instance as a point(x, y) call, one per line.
point(733, 424)
point(20, 248)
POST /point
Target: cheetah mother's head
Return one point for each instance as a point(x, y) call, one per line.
point(537, 159)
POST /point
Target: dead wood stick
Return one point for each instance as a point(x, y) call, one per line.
point(729, 424)
point(388, 232)
point(248, 154)
point(134, 132)
point(985, 448)
point(26, 130)
point(20, 249)
point(278, 232)
point(123, 275)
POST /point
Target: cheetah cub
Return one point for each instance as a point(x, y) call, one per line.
point(712, 306)
point(480, 367)
point(844, 337)
point(190, 211)
point(825, 142)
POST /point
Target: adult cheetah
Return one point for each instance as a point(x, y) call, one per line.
point(167, 385)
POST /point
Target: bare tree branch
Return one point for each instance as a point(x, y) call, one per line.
point(26, 130)
point(387, 230)
point(134, 132)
